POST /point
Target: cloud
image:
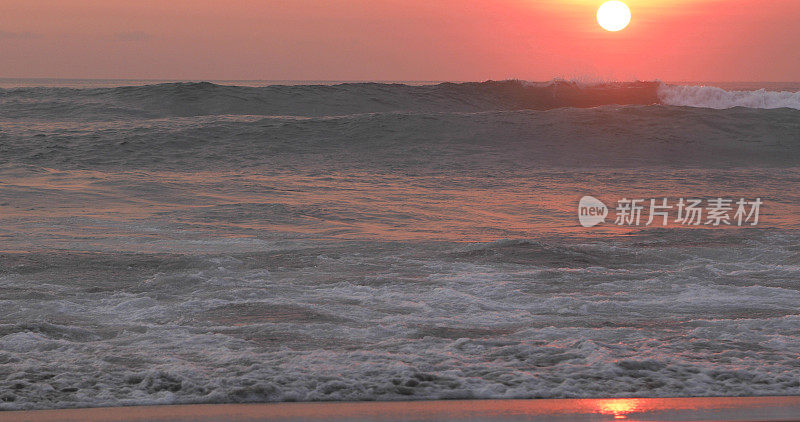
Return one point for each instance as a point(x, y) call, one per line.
point(132, 36)
point(5, 35)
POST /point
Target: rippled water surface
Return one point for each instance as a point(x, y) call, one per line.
point(160, 247)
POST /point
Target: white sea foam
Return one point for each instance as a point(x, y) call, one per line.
point(508, 319)
point(713, 97)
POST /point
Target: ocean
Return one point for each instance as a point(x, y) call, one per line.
point(197, 242)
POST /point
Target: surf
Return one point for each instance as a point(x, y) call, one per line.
point(718, 98)
point(170, 100)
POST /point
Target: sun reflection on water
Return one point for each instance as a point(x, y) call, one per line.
point(620, 408)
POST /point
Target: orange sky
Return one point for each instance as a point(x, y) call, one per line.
point(694, 40)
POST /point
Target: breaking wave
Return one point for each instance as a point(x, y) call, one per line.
point(713, 97)
point(206, 99)
point(198, 99)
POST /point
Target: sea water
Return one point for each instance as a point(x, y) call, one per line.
point(203, 243)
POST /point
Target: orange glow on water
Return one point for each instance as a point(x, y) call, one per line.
point(619, 408)
point(538, 410)
point(387, 206)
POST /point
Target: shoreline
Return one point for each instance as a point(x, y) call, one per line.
point(772, 408)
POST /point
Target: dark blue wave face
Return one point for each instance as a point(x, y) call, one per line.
point(448, 126)
point(198, 99)
point(611, 136)
point(204, 99)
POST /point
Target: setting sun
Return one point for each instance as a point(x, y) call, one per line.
point(614, 15)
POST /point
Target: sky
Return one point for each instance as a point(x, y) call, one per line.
point(382, 40)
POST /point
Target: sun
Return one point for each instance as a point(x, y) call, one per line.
point(613, 15)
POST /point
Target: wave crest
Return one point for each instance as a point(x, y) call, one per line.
point(718, 98)
point(207, 99)
point(198, 99)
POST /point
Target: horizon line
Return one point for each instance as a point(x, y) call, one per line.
point(13, 78)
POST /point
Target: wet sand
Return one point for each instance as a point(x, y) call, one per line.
point(667, 409)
